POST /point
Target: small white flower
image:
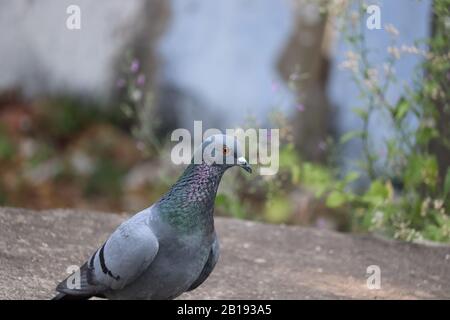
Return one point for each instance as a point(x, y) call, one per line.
point(377, 219)
point(352, 61)
point(394, 51)
point(136, 95)
point(438, 203)
point(447, 23)
point(391, 30)
point(388, 69)
point(425, 206)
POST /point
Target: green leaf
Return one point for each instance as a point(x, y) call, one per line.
point(278, 210)
point(425, 134)
point(377, 193)
point(447, 184)
point(295, 171)
point(6, 148)
point(335, 199)
point(421, 169)
point(351, 176)
point(351, 135)
point(401, 109)
point(316, 178)
point(288, 157)
point(231, 206)
point(221, 200)
point(377, 188)
point(361, 112)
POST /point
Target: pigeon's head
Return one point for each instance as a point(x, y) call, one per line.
point(222, 150)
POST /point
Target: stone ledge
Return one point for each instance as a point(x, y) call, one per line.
point(258, 261)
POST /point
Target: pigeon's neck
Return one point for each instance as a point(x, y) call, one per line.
point(189, 204)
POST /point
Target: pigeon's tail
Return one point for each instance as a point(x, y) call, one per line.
point(84, 292)
point(65, 296)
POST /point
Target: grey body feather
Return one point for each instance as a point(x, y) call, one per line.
point(164, 250)
point(209, 265)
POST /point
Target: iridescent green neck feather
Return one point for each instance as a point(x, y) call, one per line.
point(189, 204)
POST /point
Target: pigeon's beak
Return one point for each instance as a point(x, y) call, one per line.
point(244, 164)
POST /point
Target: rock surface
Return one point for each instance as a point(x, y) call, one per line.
point(258, 261)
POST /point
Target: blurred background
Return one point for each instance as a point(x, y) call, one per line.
point(363, 110)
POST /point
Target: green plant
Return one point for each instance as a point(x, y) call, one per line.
point(231, 206)
point(137, 104)
point(6, 146)
point(60, 117)
point(3, 195)
point(105, 179)
point(418, 207)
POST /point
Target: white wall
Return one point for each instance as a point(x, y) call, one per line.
point(38, 52)
point(225, 54)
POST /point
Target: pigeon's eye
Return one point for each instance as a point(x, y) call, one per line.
point(225, 150)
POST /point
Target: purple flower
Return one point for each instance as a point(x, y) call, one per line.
point(322, 145)
point(321, 223)
point(274, 86)
point(300, 107)
point(140, 80)
point(120, 83)
point(134, 66)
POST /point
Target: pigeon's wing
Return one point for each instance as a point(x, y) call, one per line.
point(122, 258)
point(209, 265)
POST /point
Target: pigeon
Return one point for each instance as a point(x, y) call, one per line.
point(169, 248)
